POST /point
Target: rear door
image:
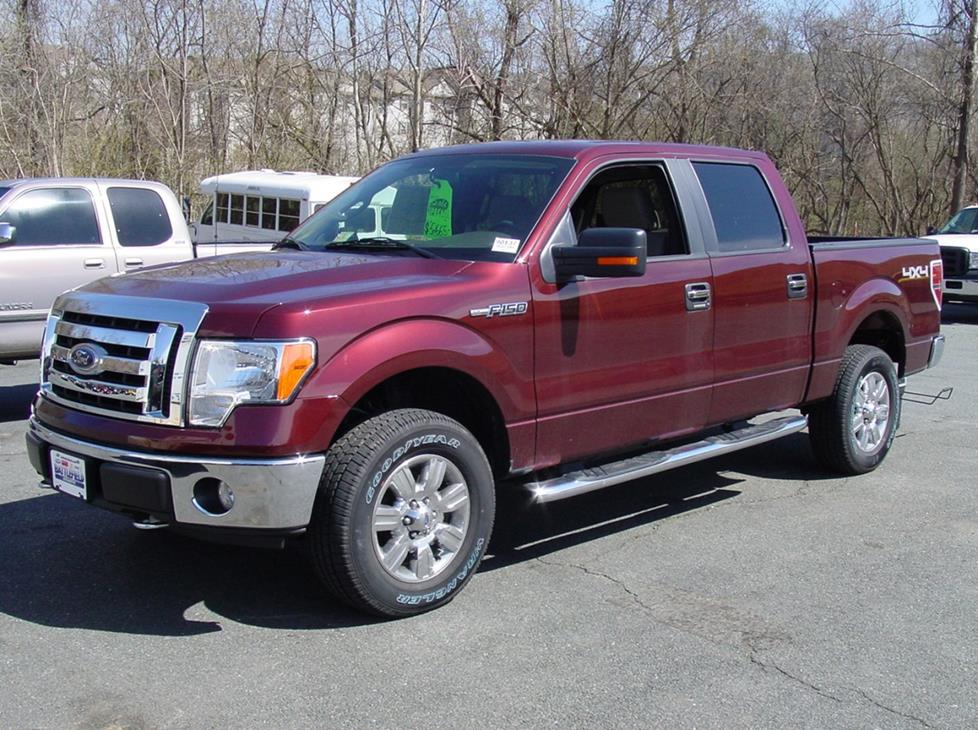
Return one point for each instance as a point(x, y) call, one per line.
point(142, 225)
point(763, 293)
point(57, 245)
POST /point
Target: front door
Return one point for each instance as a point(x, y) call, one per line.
point(57, 245)
point(620, 361)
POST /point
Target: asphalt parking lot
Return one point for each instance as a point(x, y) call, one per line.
point(749, 591)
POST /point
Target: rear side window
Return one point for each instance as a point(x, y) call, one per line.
point(140, 216)
point(743, 211)
point(52, 217)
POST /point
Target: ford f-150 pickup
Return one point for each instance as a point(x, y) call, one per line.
point(563, 315)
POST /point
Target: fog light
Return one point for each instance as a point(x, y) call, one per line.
point(213, 497)
point(226, 496)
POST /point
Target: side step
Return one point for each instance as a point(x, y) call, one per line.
point(653, 462)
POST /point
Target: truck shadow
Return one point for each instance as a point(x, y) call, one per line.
point(525, 531)
point(15, 401)
point(70, 566)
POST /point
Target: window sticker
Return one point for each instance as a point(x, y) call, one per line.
point(438, 221)
point(506, 245)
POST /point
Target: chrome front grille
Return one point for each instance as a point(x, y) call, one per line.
point(105, 354)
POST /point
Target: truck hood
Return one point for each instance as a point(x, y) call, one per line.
point(238, 288)
point(960, 240)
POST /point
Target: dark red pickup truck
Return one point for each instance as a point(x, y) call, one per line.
point(568, 315)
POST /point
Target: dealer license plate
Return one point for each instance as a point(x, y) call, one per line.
point(68, 474)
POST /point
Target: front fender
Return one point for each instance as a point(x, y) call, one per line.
point(406, 345)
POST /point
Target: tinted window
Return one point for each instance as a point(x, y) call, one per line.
point(4, 191)
point(207, 217)
point(140, 216)
point(288, 214)
point(222, 208)
point(253, 207)
point(269, 206)
point(237, 209)
point(741, 206)
point(633, 196)
point(52, 216)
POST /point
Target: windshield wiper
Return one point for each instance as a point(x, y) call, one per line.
point(374, 242)
point(289, 242)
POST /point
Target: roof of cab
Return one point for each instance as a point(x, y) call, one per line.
point(19, 182)
point(581, 149)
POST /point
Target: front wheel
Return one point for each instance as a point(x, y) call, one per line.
point(853, 430)
point(404, 513)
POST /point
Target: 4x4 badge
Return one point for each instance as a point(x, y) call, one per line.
point(500, 310)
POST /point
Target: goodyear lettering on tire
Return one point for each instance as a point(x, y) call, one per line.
point(411, 443)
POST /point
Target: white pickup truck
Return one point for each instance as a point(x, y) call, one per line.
point(958, 239)
point(59, 233)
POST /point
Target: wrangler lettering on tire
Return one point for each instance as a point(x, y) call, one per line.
point(404, 513)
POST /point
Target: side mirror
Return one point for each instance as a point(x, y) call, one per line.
point(7, 233)
point(931, 230)
point(602, 252)
point(186, 208)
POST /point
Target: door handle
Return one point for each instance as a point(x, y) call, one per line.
point(698, 296)
point(134, 262)
point(797, 286)
point(94, 263)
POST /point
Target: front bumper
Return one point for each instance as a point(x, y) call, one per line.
point(961, 288)
point(269, 494)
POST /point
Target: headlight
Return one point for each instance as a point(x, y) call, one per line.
point(226, 374)
point(973, 260)
point(47, 343)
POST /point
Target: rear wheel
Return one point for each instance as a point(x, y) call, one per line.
point(404, 513)
point(853, 430)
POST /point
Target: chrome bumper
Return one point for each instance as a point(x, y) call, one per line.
point(272, 494)
point(936, 350)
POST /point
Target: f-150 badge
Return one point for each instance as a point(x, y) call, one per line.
point(500, 310)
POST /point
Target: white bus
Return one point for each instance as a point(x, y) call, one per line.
point(262, 205)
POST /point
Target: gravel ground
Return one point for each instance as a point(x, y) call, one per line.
point(749, 591)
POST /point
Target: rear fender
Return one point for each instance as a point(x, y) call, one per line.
point(872, 296)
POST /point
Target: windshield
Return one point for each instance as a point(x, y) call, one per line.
point(475, 207)
point(964, 221)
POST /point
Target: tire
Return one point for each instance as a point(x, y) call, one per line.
point(370, 478)
point(852, 431)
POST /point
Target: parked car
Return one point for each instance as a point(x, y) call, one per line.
point(958, 239)
point(59, 233)
point(565, 315)
point(262, 205)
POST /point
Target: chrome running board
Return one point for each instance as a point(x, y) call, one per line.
point(653, 462)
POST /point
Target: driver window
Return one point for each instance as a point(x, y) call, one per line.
point(633, 196)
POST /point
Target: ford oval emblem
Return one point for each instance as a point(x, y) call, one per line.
point(86, 358)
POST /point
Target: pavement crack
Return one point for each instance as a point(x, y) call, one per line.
point(598, 574)
point(892, 711)
point(772, 667)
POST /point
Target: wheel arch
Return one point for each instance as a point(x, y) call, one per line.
point(883, 329)
point(466, 378)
